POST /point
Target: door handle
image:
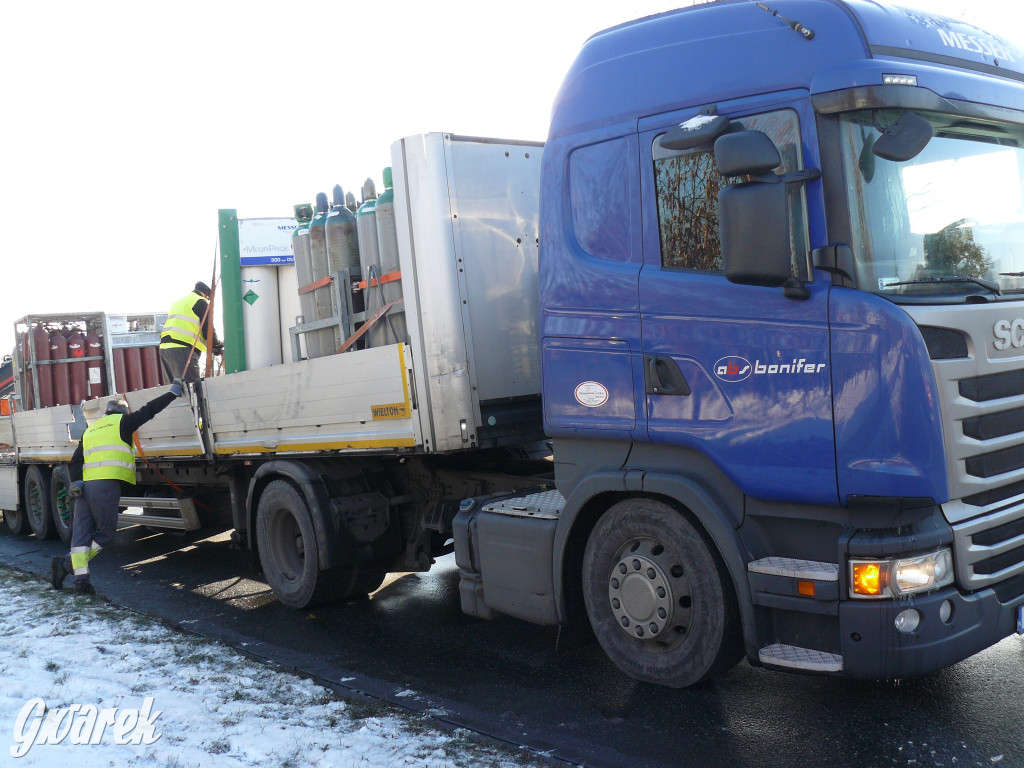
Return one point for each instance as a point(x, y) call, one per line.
point(663, 377)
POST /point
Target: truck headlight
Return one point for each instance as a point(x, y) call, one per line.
point(901, 576)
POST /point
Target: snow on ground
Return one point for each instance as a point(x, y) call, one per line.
point(217, 707)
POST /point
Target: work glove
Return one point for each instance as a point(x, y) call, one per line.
point(76, 489)
point(218, 348)
point(177, 387)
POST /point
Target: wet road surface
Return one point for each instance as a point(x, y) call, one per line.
point(411, 645)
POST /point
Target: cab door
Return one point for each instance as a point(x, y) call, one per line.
point(740, 373)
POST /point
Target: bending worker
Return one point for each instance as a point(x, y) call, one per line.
point(104, 459)
point(188, 323)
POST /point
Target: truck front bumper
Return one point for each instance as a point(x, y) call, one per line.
point(872, 647)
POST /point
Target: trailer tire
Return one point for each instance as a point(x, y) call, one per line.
point(16, 520)
point(658, 596)
point(63, 507)
point(37, 502)
point(288, 551)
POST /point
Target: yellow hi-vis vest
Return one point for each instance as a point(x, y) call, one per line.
point(183, 324)
point(107, 456)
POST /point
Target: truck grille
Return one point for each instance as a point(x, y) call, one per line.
point(981, 393)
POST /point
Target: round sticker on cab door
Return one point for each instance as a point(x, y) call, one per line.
point(591, 394)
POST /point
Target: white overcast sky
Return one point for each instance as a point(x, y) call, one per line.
point(126, 125)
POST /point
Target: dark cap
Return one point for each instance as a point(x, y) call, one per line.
point(117, 406)
point(202, 288)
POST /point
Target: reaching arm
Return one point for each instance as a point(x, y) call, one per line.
point(200, 309)
point(133, 421)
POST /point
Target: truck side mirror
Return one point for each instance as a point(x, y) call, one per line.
point(904, 139)
point(753, 220)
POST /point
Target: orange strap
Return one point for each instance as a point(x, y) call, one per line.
point(368, 324)
point(390, 277)
point(323, 281)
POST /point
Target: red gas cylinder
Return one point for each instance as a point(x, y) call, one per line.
point(27, 400)
point(94, 348)
point(44, 374)
point(150, 367)
point(79, 375)
point(120, 376)
point(61, 380)
point(133, 368)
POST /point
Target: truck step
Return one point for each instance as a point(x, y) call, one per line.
point(154, 513)
point(779, 655)
point(813, 570)
point(543, 504)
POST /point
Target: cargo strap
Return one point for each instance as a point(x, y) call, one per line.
point(369, 324)
point(390, 277)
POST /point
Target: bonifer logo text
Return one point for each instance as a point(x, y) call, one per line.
point(83, 724)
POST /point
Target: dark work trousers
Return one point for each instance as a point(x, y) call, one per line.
point(94, 524)
point(174, 360)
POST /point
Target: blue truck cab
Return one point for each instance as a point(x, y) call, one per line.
point(782, 345)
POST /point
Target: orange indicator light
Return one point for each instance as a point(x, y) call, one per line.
point(867, 579)
point(805, 588)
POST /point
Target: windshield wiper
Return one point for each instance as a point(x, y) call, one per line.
point(988, 285)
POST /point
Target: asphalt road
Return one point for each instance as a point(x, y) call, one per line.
point(411, 645)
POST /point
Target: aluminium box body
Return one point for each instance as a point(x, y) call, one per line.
point(467, 214)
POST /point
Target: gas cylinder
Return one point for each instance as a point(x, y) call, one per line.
point(78, 369)
point(44, 373)
point(304, 270)
point(350, 202)
point(369, 252)
point(133, 368)
point(27, 398)
point(120, 374)
point(150, 367)
point(318, 258)
point(61, 375)
point(94, 348)
point(387, 241)
point(342, 252)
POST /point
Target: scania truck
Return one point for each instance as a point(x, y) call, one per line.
point(772, 301)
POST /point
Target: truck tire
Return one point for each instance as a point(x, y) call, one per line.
point(16, 520)
point(288, 551)
point(37, 502)
point(63, 507)
point(659, 598)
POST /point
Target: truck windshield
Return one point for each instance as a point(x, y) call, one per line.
point(949, 222)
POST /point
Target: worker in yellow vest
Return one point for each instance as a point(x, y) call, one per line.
point(183, 337)
point(102, 462)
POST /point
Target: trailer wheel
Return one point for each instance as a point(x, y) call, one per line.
point(16, 520)
point(288, 551)
point(37, 502)
point(659, 599)
point(63, 507)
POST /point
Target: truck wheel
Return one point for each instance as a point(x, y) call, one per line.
point(288, 551)
point(63, 507)
point(659, 599)
point(17, 520)
point(37, 502)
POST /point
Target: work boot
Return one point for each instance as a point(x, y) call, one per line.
point(57, 572)
point(84, 588)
